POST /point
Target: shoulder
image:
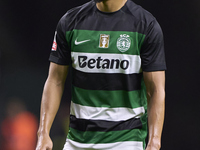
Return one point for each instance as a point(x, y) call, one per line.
point(74, 14)
point(139, 13)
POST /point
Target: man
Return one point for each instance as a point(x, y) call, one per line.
point(116, 51)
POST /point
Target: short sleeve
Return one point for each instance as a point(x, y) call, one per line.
point(152, 51)
point(60, 52)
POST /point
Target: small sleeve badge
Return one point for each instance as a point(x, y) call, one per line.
point(54, 47)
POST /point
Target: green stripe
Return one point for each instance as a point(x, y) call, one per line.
point(92, 46)
point(111, 99)
point(89, 137)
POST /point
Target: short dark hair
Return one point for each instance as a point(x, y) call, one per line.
point(98, 1)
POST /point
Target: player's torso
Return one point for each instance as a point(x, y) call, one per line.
point(107, 75)
point(106, 43)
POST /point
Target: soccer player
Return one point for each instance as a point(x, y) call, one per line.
point(116, 51)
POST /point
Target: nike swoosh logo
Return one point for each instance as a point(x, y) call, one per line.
point(77, 43)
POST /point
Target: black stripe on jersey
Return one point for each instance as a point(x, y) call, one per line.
point(103, 81)
point(103, 125)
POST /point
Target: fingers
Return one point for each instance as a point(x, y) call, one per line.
point(44, 142)
point(44, 148)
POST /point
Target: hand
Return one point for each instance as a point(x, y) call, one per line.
point(44, 142)
point(154, 144)
point(152, 148)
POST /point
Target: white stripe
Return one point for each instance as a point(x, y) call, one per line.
point(104, 113)
point(134, 63)
point(128, 145)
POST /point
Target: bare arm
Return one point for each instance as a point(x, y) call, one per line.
point(51, 98)
point(155, 84)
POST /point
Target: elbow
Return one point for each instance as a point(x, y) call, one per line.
point(57, 83)
point(157, 93)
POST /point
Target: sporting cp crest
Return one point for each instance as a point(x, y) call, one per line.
point(123, 42)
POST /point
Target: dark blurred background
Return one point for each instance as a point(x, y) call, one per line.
point(26, 36)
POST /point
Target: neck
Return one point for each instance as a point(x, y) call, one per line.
point(110, 5)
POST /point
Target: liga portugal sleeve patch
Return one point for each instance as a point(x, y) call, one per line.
point(54, 46)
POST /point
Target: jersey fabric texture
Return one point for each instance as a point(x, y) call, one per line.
point(108, 53)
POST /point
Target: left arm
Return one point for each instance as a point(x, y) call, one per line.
point(155, 86)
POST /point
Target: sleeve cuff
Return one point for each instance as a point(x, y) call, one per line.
point(58, 61)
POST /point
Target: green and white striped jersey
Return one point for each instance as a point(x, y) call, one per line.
point(108, 53)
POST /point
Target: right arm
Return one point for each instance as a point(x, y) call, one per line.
point(51, 98)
